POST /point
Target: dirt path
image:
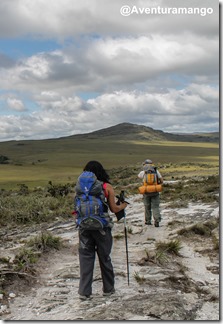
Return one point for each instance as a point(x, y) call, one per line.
point(184, 289)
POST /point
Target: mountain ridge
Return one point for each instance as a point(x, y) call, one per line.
point(128, 131)
point(131, 132)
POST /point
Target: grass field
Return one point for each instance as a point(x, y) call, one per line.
point(35, 163)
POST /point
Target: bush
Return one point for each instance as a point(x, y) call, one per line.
point(171, 247)
point(4, 159)
point(44, 242)
point(204, 229)
point(25, 260)
point(32, 208)
point(33, 249)
point(138, 278)
point(58, 190)
point(204, 190)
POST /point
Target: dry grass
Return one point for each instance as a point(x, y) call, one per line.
point(35, 163)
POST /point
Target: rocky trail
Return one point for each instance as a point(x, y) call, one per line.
point(181, 287)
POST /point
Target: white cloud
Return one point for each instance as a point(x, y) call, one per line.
point(156, 70)
point(190, 109)
point(73, 18)
point(15, 104)
point(108, 64)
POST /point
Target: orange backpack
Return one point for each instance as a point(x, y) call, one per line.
point(150, 181)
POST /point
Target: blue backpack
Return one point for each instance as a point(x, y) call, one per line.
point(90, 202)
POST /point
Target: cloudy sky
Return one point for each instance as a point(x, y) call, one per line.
point(71, 66)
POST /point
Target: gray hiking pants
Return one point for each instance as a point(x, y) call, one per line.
point(90, 243)
point(152, 203)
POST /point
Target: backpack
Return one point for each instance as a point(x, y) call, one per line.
point(90, 202)
point(150, 181)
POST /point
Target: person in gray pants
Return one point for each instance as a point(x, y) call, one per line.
point(152, 210)
point(92, 242)
point(151, 200)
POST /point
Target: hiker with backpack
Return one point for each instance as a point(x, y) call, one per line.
point(94, 197)
point(152, 186)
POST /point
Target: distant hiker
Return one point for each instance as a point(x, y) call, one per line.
point(94, 195)
point(152, 185)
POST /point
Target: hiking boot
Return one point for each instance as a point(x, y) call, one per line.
point(157, 224)
point(148, 223)
point(85, 297)
point(109, 293)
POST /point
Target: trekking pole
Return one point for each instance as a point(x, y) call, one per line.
point(126, 237)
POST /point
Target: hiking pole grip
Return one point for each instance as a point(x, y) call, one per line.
point(122, 196)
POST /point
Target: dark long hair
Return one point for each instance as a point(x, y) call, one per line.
point(98, 170)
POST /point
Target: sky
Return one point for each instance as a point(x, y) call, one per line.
point(70, 67)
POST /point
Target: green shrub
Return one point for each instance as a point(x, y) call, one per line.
point(25, 260)
point(203, 229)
point(30, 253)
point(118, 236)
point(204, 190)
point(161, 257)
point(171, 247)
point(32, 208)
point(58, 190)
point(138, 278)
point(215, 243)
point(4, 159)
point(44, 242)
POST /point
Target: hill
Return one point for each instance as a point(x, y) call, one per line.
point(129, 131)
point(36, 162)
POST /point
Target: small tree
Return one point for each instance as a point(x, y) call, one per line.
point(58, 190)
point(23, 189)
